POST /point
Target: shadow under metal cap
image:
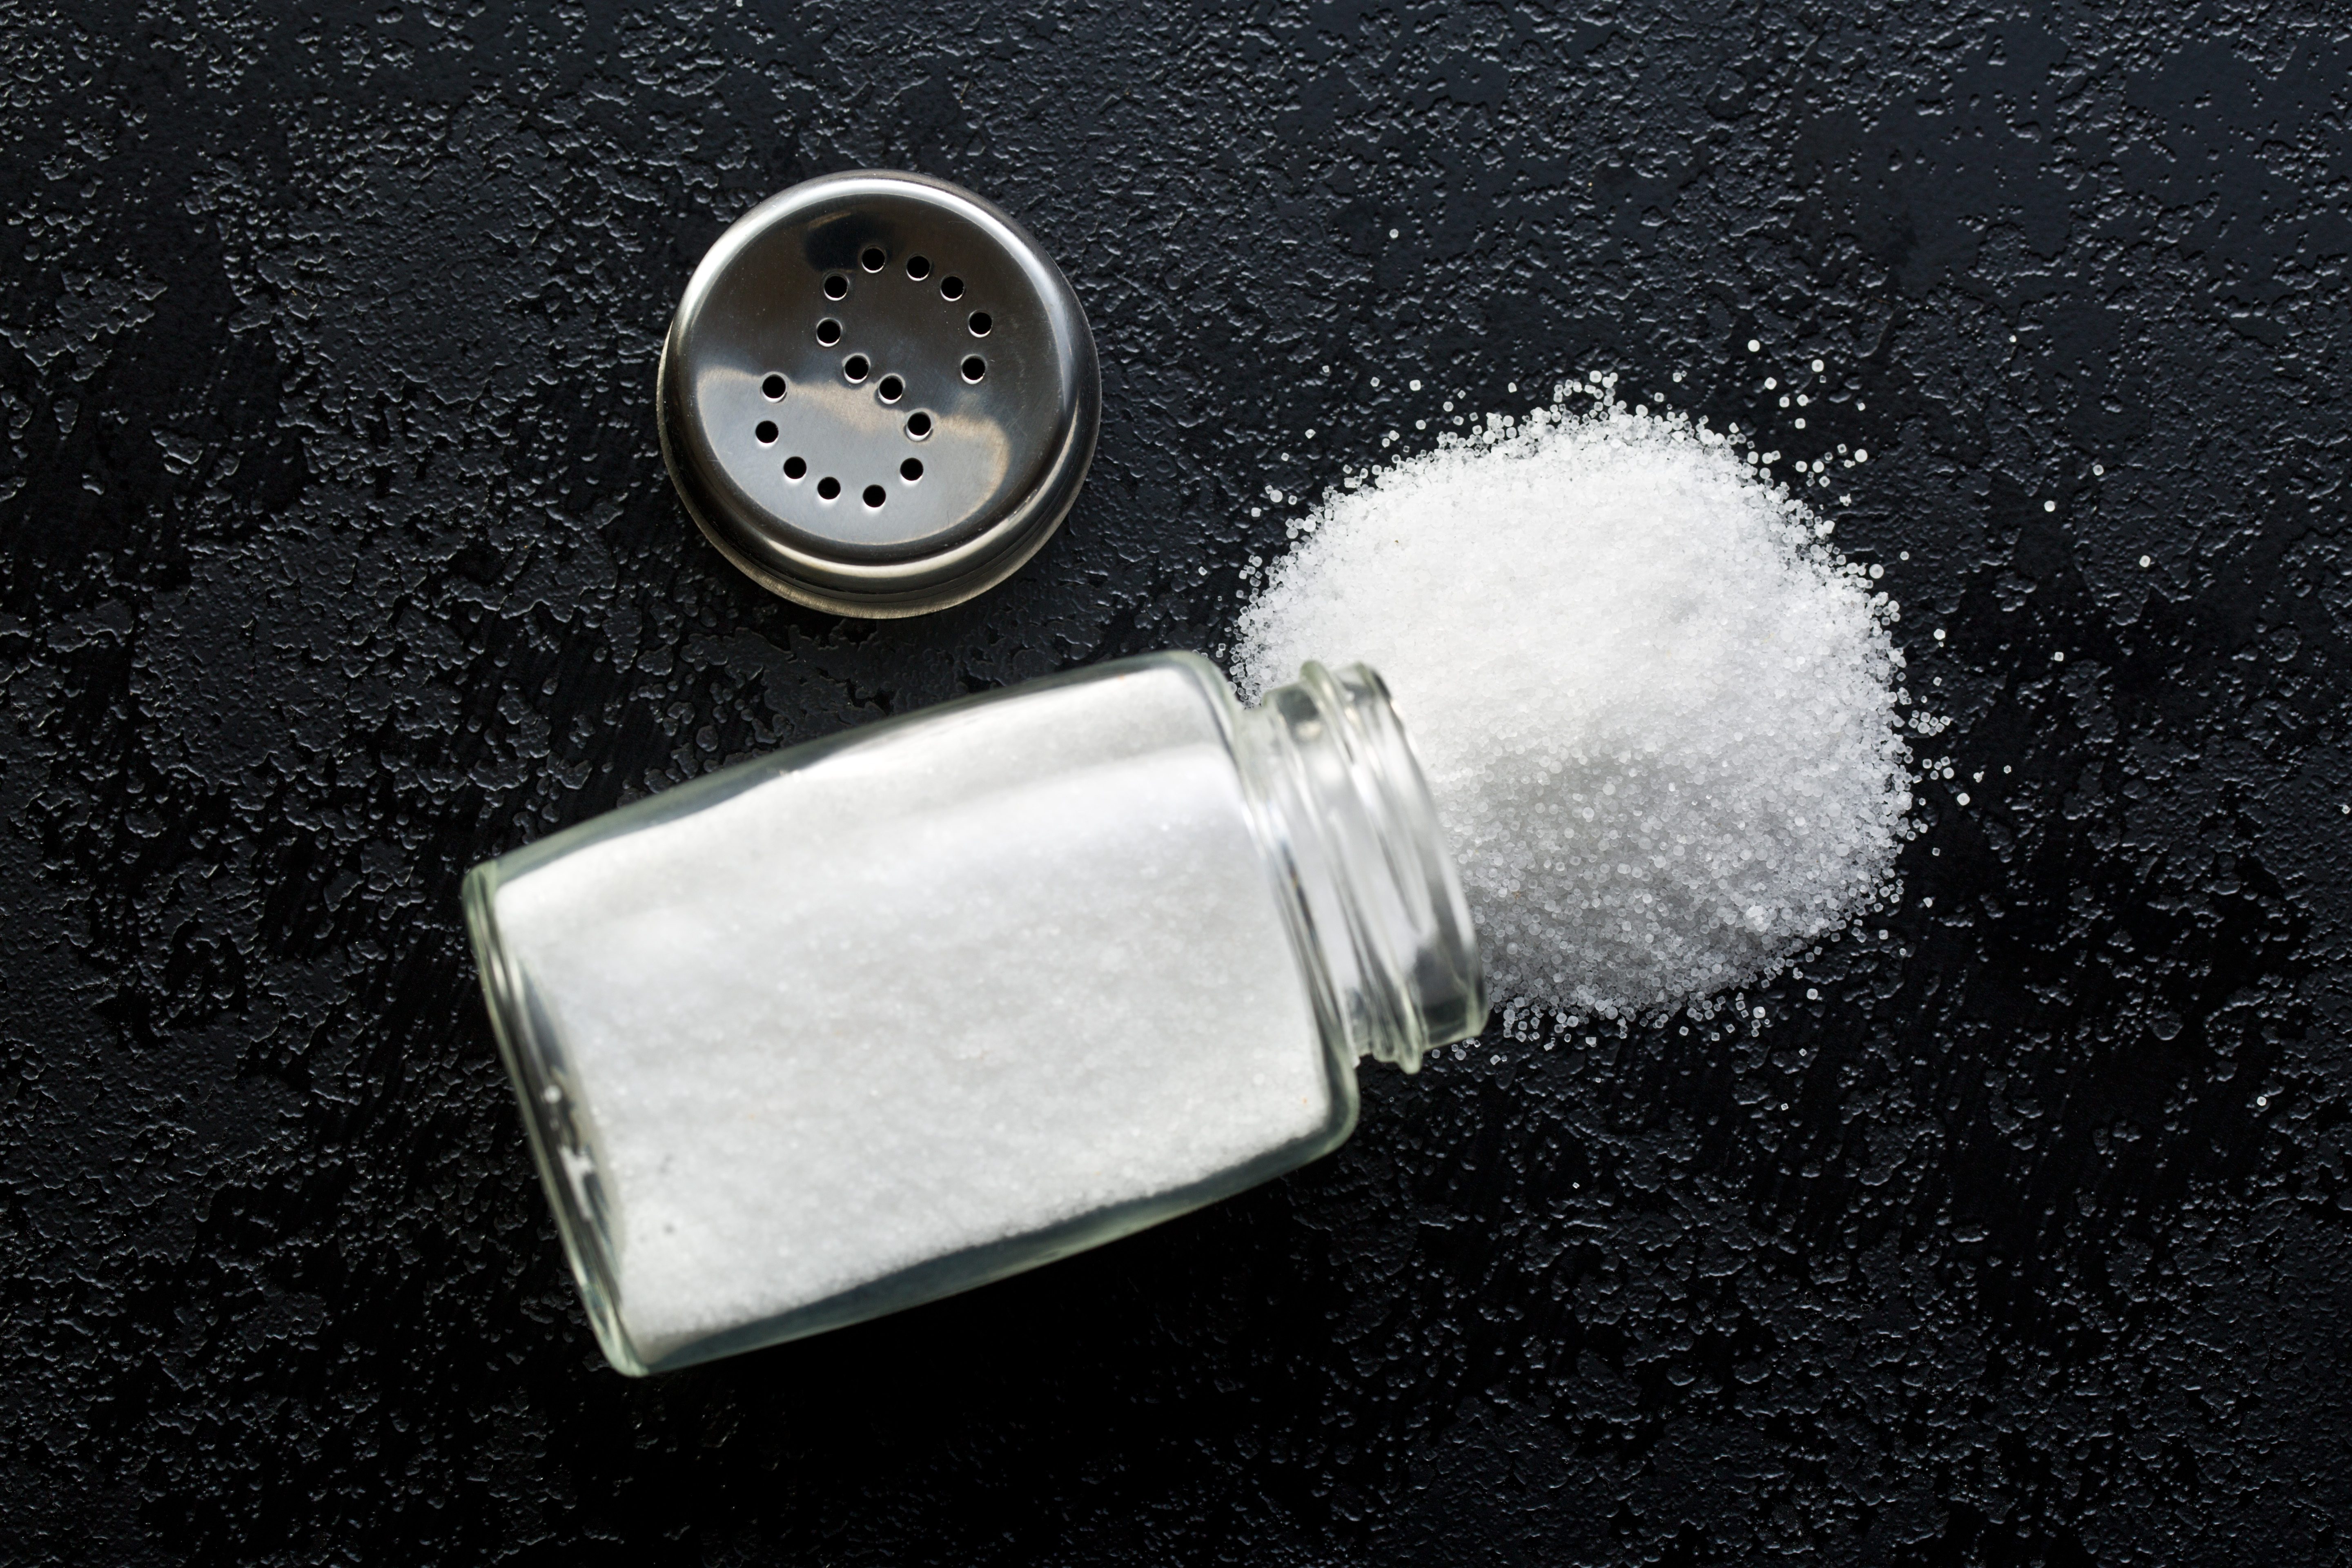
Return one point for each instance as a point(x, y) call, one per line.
point(878, 396)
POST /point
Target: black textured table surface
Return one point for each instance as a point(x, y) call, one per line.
point(339, 556)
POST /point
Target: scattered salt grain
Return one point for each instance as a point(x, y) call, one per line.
point(1660, 720)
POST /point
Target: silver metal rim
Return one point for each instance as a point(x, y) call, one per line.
point(757, 540)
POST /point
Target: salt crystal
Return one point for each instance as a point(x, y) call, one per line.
point(1660, 721)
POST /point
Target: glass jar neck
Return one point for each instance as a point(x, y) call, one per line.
point(1376, 908)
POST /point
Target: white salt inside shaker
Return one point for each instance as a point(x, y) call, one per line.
point(889, 1016)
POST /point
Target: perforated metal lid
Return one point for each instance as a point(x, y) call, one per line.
point(878, 396)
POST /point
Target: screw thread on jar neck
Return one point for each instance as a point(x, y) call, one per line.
point(1377, 909)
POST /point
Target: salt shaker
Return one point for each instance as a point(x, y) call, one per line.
point(887, 1015)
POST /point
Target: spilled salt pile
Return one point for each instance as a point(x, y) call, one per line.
point(1658, 712)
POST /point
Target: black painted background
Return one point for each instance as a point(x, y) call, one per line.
point(335, 554)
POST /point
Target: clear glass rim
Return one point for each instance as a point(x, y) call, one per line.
point(1379, 913)
point(1435, 947)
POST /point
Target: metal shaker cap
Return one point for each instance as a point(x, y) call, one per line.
point(878, 396)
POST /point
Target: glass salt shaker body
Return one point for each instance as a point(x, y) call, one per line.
point(891, 1014)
